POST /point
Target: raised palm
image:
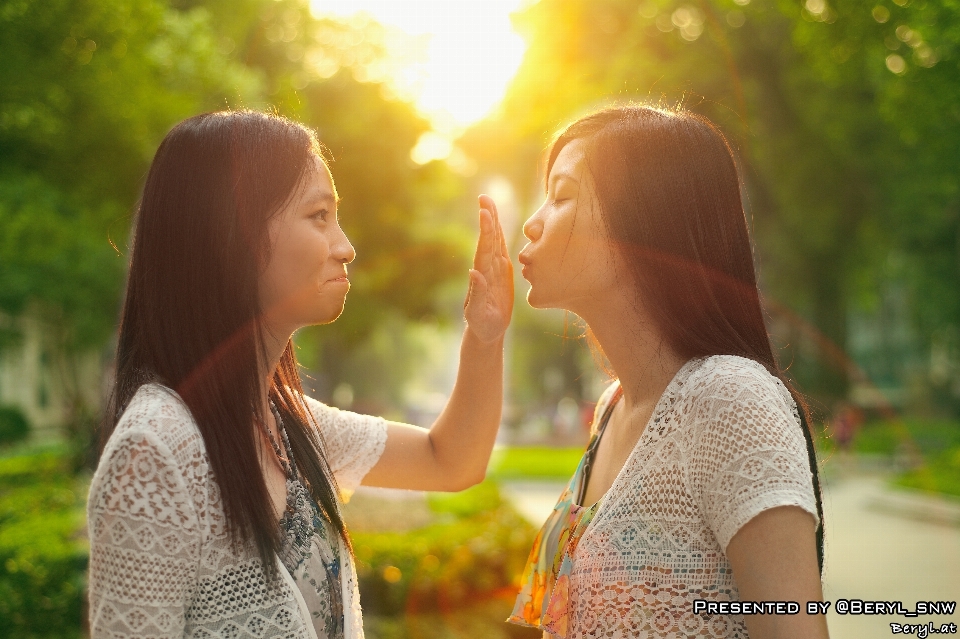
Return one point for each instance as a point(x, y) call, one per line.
point(489, 302)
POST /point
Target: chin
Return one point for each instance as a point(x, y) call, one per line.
point(329, 312)
point(534, 300)
point(333, 315)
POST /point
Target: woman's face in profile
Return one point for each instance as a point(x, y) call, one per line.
point(569, 260)
point(305, 281)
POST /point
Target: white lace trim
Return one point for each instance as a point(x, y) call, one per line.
point(352, 442)
point(723, 445)
point(161, 564)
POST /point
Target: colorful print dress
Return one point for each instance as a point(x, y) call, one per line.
point(309, 547)
point(724, 443)
point(544, 596)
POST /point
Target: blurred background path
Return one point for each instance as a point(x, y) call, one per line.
point(881, 545)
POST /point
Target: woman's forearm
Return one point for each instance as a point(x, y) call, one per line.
point(463, 435)
point(453, 454)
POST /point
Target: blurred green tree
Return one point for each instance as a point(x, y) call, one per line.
point(88, 90)
point(842, 113)
point(407, 222)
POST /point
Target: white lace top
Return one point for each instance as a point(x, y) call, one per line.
point(161, 564)
point(723, 444)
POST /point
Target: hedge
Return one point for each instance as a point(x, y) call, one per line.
point(43, 551)
point(14, 426)
point(475, 551)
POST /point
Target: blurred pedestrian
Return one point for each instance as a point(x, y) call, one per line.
point(844, 425)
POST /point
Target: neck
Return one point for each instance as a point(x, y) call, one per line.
point(274, 343)
point(640, 355)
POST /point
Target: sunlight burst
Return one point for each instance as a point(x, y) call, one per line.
point(455, 58)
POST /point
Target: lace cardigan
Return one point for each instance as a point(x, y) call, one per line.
point(161, 564)
point(723, 445)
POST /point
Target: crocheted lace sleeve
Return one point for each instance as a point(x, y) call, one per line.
point(750, 454)
point(352, 442)
point(144, 529)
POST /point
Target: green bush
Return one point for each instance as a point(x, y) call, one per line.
point(475, 551)
point(897, 437)
point(485, 619)
point(941, 474)
point(534, 462)
point(891, 437)
point(43, 556)
point(14, 426)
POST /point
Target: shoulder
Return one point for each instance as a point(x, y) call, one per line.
point(158, 416)
point(318, 410)
point(729, 378)
point(153, 467)
point(343, 428)
point(740, 402)
point(736, 408)
point(331, 416)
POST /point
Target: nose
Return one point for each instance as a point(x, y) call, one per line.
point(342, 250)
point(533, 227)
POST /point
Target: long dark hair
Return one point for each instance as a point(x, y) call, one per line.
point(191, 317)
point(669, 196)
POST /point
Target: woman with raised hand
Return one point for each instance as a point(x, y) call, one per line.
point(215, 509)
point(699, 485)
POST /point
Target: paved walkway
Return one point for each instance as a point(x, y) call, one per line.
point(881, 546)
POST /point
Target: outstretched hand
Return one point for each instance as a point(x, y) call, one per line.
point(489, 302)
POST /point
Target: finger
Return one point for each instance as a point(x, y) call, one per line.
point(484, 254)
point(477, 292)
point(486, 202)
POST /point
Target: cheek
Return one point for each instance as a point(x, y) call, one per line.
point(295, 265)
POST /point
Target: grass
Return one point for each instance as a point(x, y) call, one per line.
point(938, 442)
point(929, 438)
point(940, 474)
point(534, 462)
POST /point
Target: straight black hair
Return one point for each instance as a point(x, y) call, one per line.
point(191, 317)
point(669, 194)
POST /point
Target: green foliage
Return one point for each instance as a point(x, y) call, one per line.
point(51, 255)
point(13, 425)
point(87, 90)
point(43, 553)
point(408, 224)
point(929, 438)
point(519, 462)
point(847, 164)
point(475, 551)
point(480, 499)
point(485, 619)
point(940, 474)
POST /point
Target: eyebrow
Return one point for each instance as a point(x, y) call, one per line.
point(556, 177)
point(323, 198)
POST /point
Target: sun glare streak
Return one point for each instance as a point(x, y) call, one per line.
point(458, 56)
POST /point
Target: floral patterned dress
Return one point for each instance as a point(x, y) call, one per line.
point(545, 586)
point(309, 549)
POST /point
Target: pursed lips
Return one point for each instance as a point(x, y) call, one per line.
point(526, 261)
